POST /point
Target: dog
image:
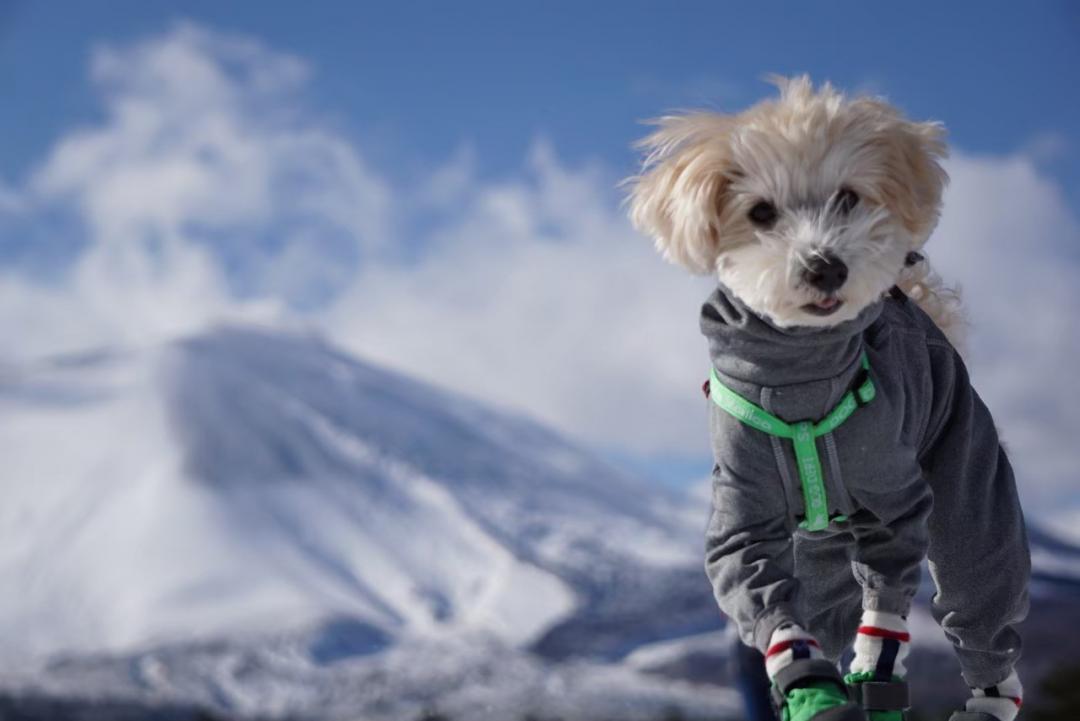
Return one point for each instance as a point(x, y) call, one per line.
point(848, 442)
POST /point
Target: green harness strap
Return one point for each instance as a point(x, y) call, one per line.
point(803, 436)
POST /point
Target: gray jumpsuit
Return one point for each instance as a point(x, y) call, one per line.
point(918, 472)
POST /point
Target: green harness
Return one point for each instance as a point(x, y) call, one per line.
point(803, 436)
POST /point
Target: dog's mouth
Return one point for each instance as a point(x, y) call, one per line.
point(824, 307)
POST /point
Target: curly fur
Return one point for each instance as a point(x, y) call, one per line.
point(703, 172)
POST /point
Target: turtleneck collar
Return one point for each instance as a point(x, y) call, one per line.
point(748, 348)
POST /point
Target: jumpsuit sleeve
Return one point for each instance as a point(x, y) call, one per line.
point(978, 552)
point(749, 555)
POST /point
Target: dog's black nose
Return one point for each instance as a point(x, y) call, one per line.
point(826, 272)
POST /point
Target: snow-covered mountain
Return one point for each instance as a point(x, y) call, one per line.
point(241, 479)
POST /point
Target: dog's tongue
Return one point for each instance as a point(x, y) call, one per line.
point(827, 303)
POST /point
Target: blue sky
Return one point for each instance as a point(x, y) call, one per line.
point(420, 78)
point(432, 185)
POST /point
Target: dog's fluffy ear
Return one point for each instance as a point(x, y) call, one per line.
point(678, 198)
point(913, 181)
point(910, 185)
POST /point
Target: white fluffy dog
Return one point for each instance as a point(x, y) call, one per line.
point(809, 186)
point(849, 443)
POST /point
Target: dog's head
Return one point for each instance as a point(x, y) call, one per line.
point(807, 207)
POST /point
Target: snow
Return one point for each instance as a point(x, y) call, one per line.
point(465, 676)
point(657, 654)
point(244, 479)
point(1065, 524)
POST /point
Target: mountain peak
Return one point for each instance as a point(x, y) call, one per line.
point(232, 480)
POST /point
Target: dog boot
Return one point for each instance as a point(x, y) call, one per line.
point(883, 698)
point(806, 687)
point(877, 671)
point(995, 703)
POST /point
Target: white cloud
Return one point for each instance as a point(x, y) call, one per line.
point(537, 294)
point(208, 190)
point(1047, 147)
point(203, 193)
point(1012, 242)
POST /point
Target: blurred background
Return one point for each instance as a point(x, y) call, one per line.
point(334, 383)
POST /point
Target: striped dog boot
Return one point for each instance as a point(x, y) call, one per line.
point(877, 671)
point(806, 687)
point(995, 703)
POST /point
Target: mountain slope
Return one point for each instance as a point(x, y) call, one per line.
point(242, 479)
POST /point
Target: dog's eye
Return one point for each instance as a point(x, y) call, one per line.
point(845, 201)
point(763, 214)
